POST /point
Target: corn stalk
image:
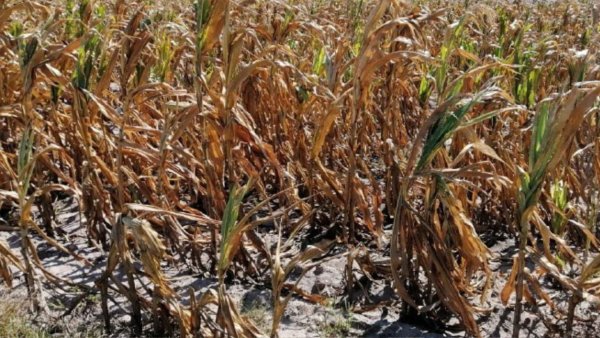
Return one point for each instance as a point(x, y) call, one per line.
point(554, 129)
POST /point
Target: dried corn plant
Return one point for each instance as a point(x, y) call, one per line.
point(179, 128)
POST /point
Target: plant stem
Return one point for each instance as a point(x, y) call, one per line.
point(573, 301)
point(520, 275)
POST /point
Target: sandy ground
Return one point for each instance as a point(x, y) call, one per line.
point(302, 318)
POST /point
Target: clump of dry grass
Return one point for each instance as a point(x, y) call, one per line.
point(14, 321)
point(179, 128)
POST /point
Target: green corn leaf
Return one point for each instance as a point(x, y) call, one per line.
point(24, 165)
point(424, 89)
point(30, 49)
point(319, 62)
point(442, 130)
point(540, 130)
point(229, 224)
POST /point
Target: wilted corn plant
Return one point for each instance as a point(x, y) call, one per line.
point(411, 231)
point(232, 232)
point(231, 236)
point(281, 272)
point(25, 168)
point(554, 128)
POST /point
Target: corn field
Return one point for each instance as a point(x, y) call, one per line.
point(253, 141)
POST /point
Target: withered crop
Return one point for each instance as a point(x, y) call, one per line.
point(412, 130)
